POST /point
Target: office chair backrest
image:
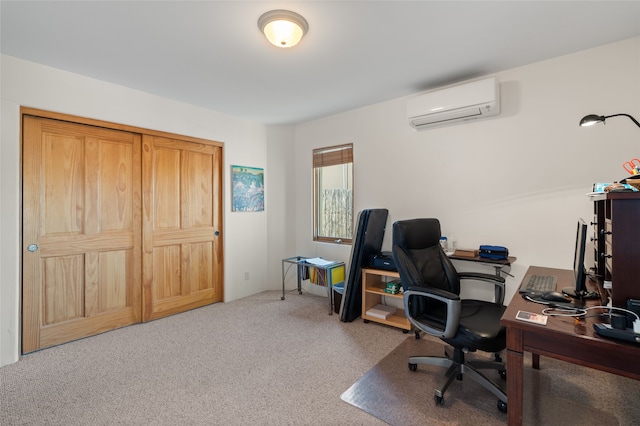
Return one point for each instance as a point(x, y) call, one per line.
point(419, 257)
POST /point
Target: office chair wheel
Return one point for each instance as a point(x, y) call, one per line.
point(413, 367)
point(439, 400)
point(417, 333)
point(503, 374)
point(497, 357)
point(502, 406)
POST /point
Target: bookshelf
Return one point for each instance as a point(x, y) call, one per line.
point(373, 283)
point(617, 242)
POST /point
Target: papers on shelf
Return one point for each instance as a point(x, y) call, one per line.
point(319, 261)
point(381, 311)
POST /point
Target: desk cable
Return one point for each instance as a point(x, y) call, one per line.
point(562, 310)
point(582, 312)
point(554, 310)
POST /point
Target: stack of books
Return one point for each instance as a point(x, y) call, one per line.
point(381, 311)
point(393, 287)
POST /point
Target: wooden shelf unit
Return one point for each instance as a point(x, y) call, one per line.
point(617, 243)
point(373, 283)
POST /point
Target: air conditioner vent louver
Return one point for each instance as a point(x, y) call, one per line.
point(455, 104)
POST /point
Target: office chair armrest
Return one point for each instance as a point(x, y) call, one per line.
point(452, 302)
point(497, 281)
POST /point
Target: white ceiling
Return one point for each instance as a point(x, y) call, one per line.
point(356, 53)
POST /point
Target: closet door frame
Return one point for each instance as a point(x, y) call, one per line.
point(218, 209)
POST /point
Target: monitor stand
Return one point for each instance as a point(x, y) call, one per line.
point(581, 294)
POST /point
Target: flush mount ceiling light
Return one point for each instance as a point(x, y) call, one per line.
point(283, 28)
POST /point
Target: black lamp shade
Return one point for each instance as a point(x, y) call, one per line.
point(591, 119)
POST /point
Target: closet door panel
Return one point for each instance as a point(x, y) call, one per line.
point(81, 231)
point(166, 189)
point(200, 169)
point(181, 221)
point(167, 274)
point(200, 277)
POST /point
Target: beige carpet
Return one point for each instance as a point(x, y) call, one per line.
point(559, 393)
point(254, 361)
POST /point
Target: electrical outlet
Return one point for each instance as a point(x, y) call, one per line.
point(246, 276)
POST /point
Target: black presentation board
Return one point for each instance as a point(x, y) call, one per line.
point(369, 234)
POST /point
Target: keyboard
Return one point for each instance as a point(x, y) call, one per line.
point(539, 283)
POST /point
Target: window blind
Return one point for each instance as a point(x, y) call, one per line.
point(332, 156)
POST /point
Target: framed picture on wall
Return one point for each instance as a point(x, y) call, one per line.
point(247, 189)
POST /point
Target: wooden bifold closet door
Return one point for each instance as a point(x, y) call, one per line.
point(119, 227)
point(181, 221)
point(81, 231)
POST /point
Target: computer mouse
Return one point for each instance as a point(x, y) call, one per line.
point(554, 296)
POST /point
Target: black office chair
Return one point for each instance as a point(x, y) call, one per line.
point(431, 301)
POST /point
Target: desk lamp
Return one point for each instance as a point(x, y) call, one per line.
point(591, 119)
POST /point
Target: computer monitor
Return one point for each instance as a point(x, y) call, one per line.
point(579, 271)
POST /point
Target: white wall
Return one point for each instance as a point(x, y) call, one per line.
point(245, 143)
point(281, 223)
point(517, 180)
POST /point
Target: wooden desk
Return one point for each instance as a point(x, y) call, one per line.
point(562, 339)
point(496, 263)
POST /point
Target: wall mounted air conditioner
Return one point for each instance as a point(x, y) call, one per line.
point(469, 101)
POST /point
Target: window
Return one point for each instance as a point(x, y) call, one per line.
point(333, 194)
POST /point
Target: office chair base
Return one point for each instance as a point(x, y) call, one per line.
point(457, 370)
point(439, 400)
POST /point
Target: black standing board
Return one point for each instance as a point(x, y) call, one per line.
point(367, 241)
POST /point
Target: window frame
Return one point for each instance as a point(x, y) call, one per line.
point(324, 157)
